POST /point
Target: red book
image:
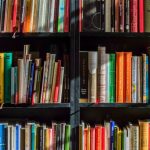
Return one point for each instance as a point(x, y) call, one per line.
point(80, 15)
point(14, 21)
point(85, 138)
point(57, 86)
point(66, 17)
point(97, 137)
point(103, 132)
point(92, 139)
point(141, 15)
point(134, 15)
point(56, 15)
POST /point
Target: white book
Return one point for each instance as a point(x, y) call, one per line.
point(107, 78)
point(101, 93)
point(21, 72)
point(107, 135)
point(61, 85)
point(135, 137)
point(107, 15)
point(128, 139)
point(52, 9)
point(9, 137)
point(92, 76)
point(14, 137)
point(134, 79)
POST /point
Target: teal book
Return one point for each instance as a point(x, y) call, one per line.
point(7, 77)
point(12, 85)
point(33, 136)
point(67, 137)
point(112, 72)
point(16, 84)
point(61, 16)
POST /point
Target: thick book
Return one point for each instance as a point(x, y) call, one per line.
point(83, 76)
point(119, 77)
point(7, 77)
point(107, 15)
point(92, 76)
point(133, 16)
point(98, 137)
point(147, 15)
point(141, 15)
point(2, 78)
point(66, 15)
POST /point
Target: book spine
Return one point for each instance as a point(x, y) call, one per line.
point(116, 15)
point(57, 85)
point(107, 15)
point(112, 125)
point(92, 139)
point(112, 15)
point(92, 76)
point(121, 15)
point(147, 15)
point(7, 77)
point(107, 64)
point(2, 78)
point(83, 76)
point(127, 15)
point(134, 15)
point(12, 85)
point(119, 77)
point(112, 71)
point(16, 85)
point(56, 15)
point(80, 15)
point(67, 136)
point(127, 81)
point(147, 79)
point(67, 14)
point(33, 134)
point(101, 83)
point(61, 16)
point(103, 146)
point(97, 137)
point(102, 15)
point(134, 79)
point(141, 15)
point(144, 79)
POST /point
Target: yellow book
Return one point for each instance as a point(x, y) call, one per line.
point(119, 132)
point(144, 135)
point(47, 139)
point(1, 78)
point(80, 136)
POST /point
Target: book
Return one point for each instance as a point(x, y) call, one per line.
point(146, 15)
point(92, 76)
point(2, 78)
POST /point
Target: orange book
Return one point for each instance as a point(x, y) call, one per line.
point(144, 135)
point(127, 78)
point(92, 139)
point(98, 137)
point(103, 132)
point(120, 77)
point(85, 139)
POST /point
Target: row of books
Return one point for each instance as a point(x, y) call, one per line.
point(33, 136)
point(112, 137)
point(119, 77)
point(30, 82)
point(114, 15)
point(34, 15)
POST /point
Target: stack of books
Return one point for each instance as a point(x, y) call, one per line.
point(114, 15)
point(119, 77)
point(34, 136)
point(34, 15)
point(30, 82)
point(111, 136)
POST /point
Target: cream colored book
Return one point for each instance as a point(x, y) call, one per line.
point(92, 76)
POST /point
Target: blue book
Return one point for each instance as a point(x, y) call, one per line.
point(31, 82)
point(112, 126)
point(2, 137)
point(18, 128)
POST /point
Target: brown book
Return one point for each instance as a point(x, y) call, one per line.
point(116, 15)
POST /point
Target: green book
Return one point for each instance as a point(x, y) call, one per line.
point(147, 15)
point(111, 72)
point(67, 137)
point(61, 16)
point(7, 77)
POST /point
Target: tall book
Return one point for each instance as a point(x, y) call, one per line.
point(101, 75)
point(127, 15)
point(66, 15)
point(92, 76)
point(134, 80)
point(128, 74)
point(121, 15)
point(83, 76)
point(2, 78)
point(7, 77)
point(107, 15)
point(141, 15)
point(134, 16)
point(147, 15)
point(67, 137)
point(119, 77)
point(116, 15)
